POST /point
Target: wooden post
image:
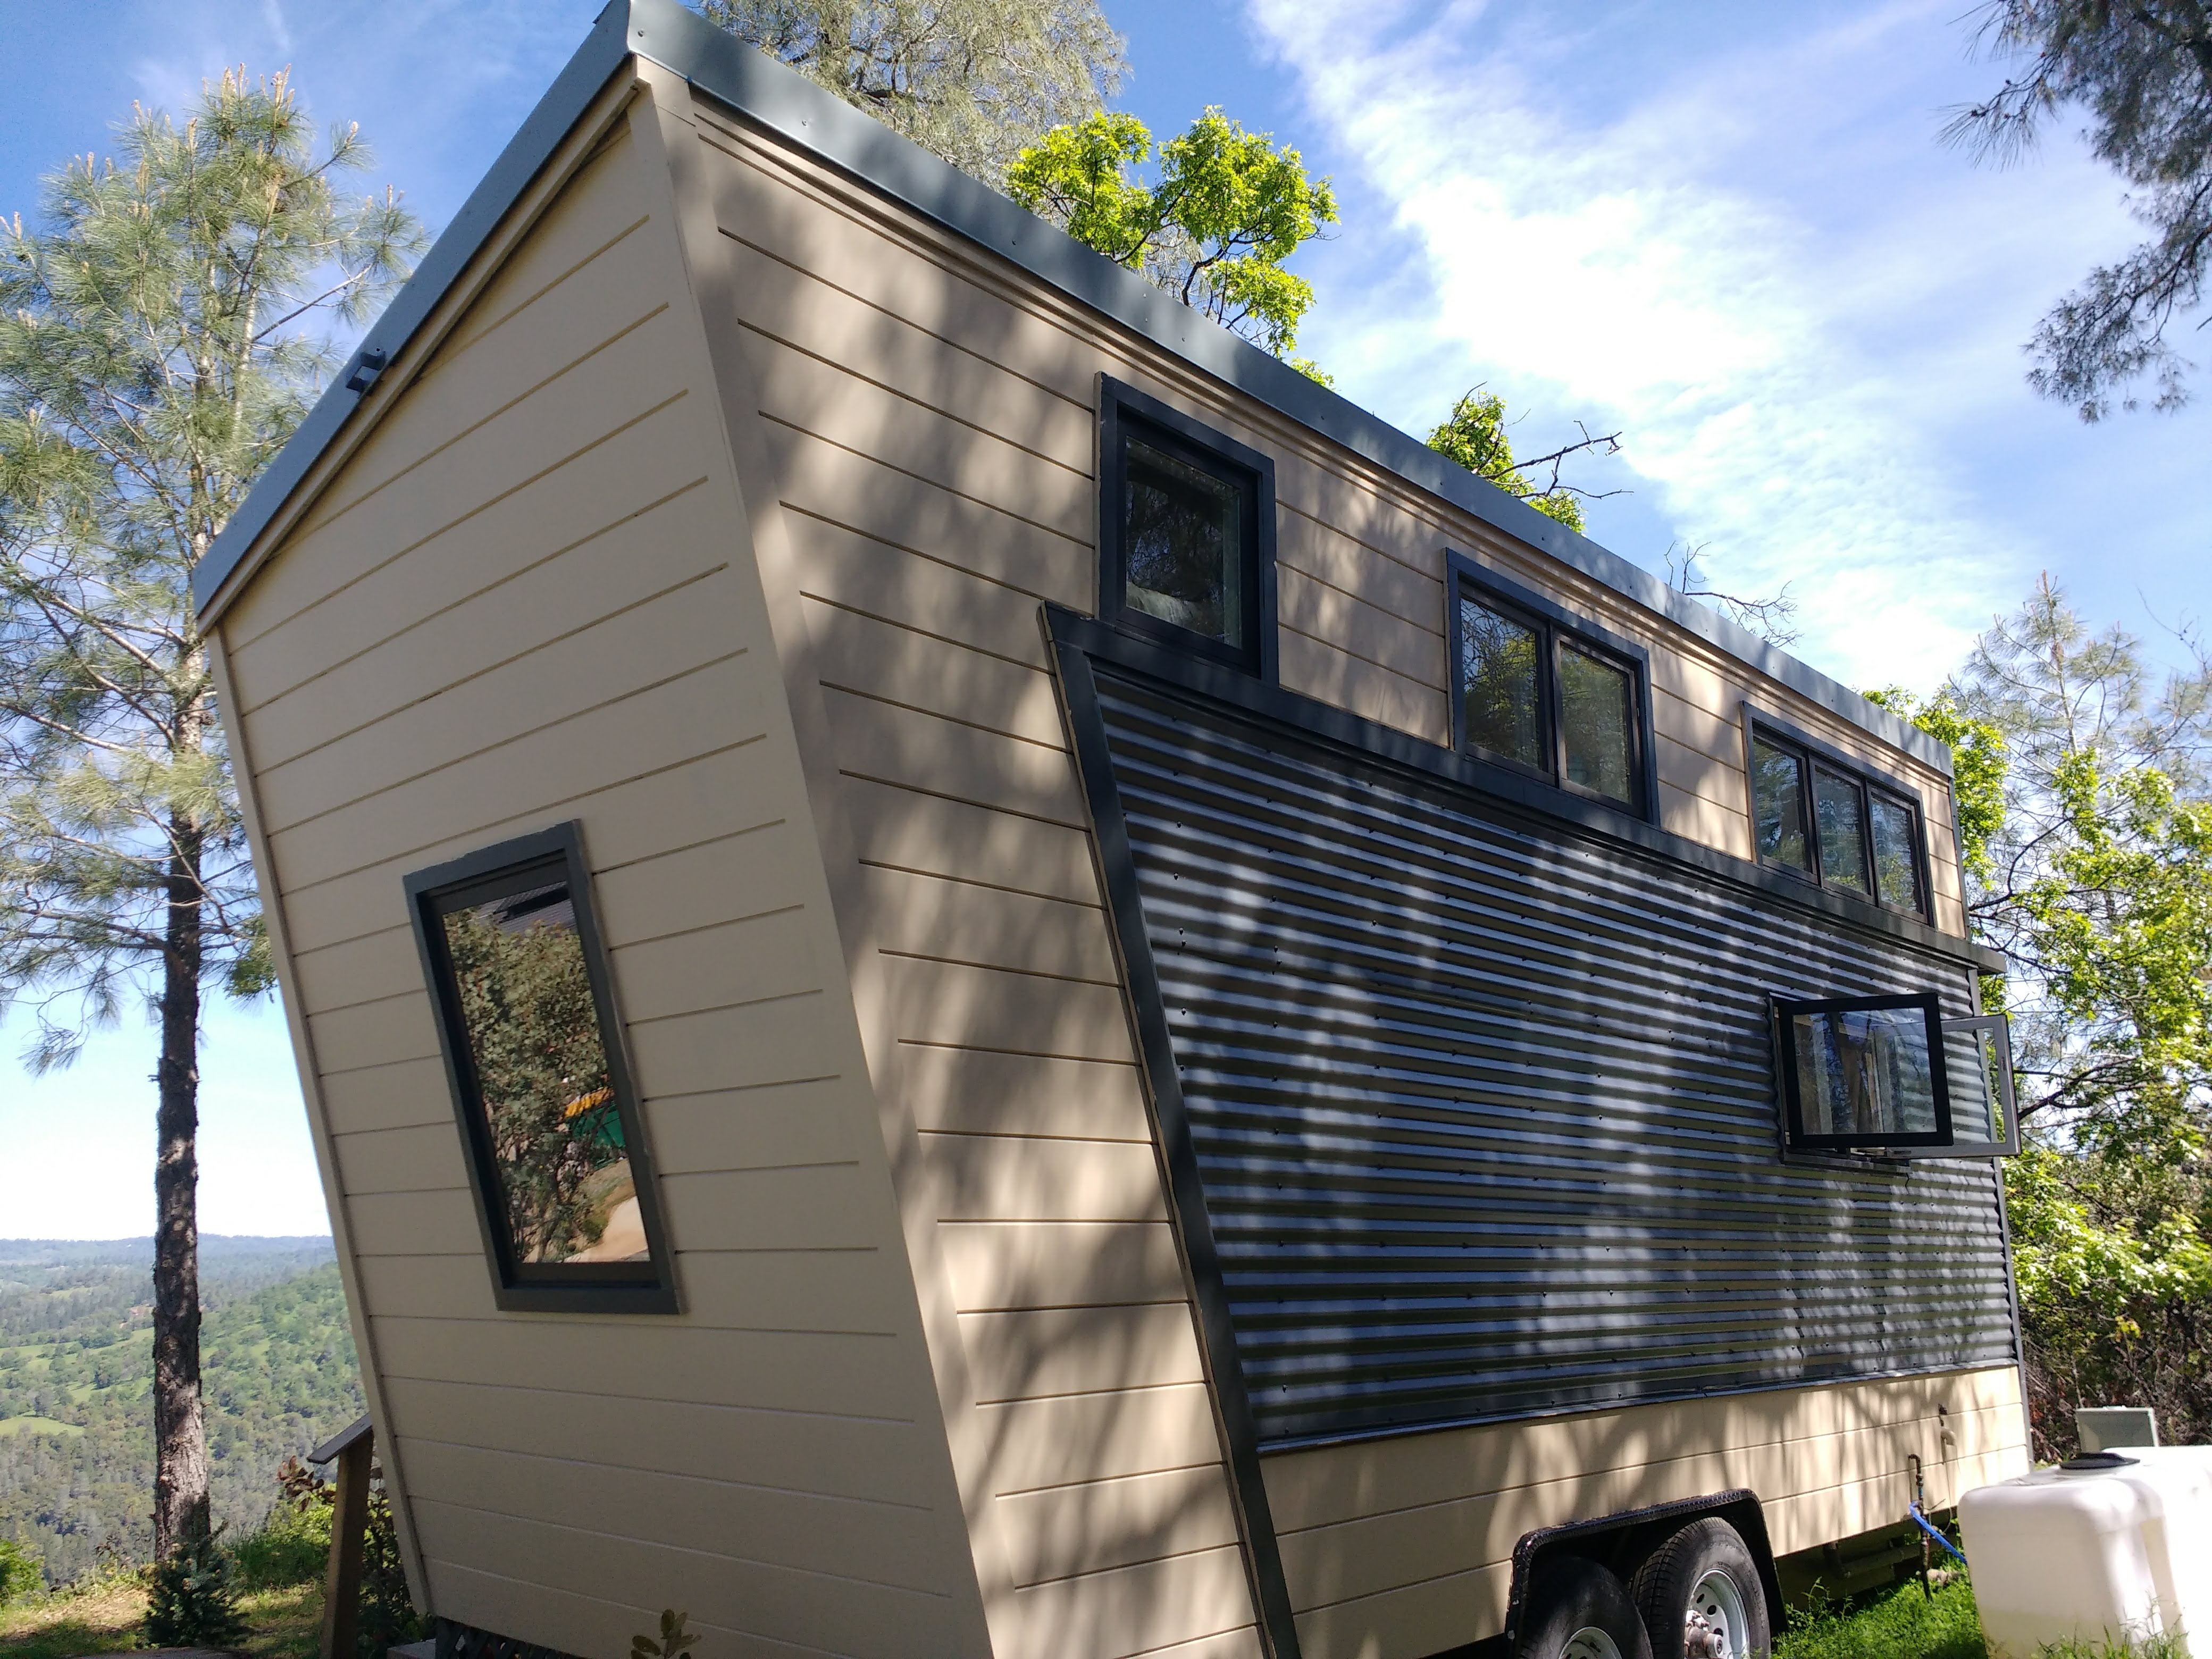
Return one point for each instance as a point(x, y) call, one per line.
point(352, 1447)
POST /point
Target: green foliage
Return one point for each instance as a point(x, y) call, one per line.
point(292, 1546)
point(675, 1642)
point(971, 80)
point(2142, 75)
point(1977, 767)
point(1474, 436)
point(1899, 1624)
point(20, 1573)
point(1223, 209)
point(190, 1601)
point(2081, 785)
point(152, 360)
point(76, 1367)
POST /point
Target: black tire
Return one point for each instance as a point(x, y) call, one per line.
point(1669, 1582)
point(1572, 1600)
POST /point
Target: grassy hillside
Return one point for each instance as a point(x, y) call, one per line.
point(76, 1447)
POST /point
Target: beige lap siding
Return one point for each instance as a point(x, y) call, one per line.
point(529, 596)
point(1398, 1548)
point(932, 495)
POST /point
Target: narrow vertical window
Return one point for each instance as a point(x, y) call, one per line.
point(1896, 853)
point(1839, 807)
point(534, 1052)
point(1185, 532)
point(1597, 703)
point(1503, 686)
point(1777, 787)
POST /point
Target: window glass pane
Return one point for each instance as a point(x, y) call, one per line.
point(1972, 1058)
point(1184, 539)
point(1843, 832)
point(545, 1094)
point(1865, 1072)
point(1896, 868)
point(1596, 706)
point(1777, 787)
point(1499, 677)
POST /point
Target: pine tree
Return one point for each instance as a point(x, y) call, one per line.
point(155, 351)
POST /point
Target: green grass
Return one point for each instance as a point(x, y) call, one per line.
point(14, 1426)
point(1907, 1623)
point(105, 1616)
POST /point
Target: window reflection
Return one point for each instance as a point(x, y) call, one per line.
point(1777, 779)
point(1498, 672)
point(1836, 803)
point(543, 1087)
point(1595, 707)
point(1183, 535)
point(1897, 871)
point(1865, 1072)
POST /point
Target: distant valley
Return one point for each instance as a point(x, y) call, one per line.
point(76, 1448)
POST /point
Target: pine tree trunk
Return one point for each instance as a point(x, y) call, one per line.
point(180, 1459)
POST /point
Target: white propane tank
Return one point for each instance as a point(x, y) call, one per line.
point(2121, 1545)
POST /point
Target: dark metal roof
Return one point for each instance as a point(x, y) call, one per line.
point(770, 96)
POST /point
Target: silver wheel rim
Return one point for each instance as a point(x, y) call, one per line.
point(1718, 1626)
point(1590, 1643)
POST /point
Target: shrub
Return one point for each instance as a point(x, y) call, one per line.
point(387, 1614)
point(19, 1572)
point(191, 1602)
point(292, 1546)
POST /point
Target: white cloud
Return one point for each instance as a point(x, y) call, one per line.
point(1754, 259)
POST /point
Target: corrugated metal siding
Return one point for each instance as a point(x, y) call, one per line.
point(1484, 1110)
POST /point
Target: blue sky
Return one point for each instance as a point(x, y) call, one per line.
point(1727, 229)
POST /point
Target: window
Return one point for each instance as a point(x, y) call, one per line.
point(1821, 819)
point(1539, 691)
point(534, 1056)
point(1186, 534)
point(1889, 1074)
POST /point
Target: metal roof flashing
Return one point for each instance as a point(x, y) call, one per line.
point(765, 94)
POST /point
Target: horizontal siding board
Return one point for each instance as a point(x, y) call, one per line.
point(887, 1462)
point(1033, 1355)
point(1318, 669)
point(899, 664)
point(1484, 1112)
point(902, 829)
point(1006, 1178)
point(995, 1266)
point(975, 1091)
point(1094, 1437)
point(1061, 1531)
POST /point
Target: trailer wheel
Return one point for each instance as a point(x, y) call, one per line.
point(1577, 1610)
point(1701, 1596)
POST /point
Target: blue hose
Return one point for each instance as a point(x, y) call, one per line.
point(1921, 1521)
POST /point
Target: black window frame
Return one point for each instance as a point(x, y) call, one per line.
point(1125, 412)
point(1553, 624)
point(1811, 752)
point(625, 1287)
point(1794, 1136)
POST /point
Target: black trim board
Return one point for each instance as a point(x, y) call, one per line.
point(1193, 1230)
point(1391, 747)
point(766, 95)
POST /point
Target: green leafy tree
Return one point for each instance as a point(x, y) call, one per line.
point(1474, 435)
point(2087, 842)
point(156, 352)
point(2142, 75)
point(1224, 209)
point(972, 80)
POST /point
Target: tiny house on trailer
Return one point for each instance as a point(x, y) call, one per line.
point(977, 973)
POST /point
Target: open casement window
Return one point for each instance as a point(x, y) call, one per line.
point(1538, 690)
point(1818, 817)
point(541, 1082)
point(1185, 532)
point(1890, 1075)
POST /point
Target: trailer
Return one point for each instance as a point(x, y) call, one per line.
point(977, 973)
